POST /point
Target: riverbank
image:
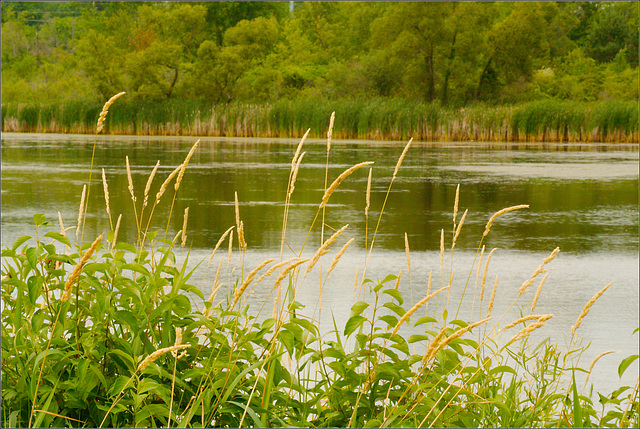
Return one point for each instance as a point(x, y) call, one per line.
point(377, 119)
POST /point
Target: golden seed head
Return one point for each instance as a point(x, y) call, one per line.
point(587, 307)
point(295, 156)
point(155, 355)
point(434, 344)
point(406, 251)
point(404, 152)
point(455, 335)
point(500, 213)
point(78, 269)
point(398, 280)
point(339, 255)
point(184, 227)
point(455, 205)
point(330, 131)
point(106, 192)
point(238, 293)
point(133, 197)
point(81, 211)
point(220, 242)
point(493, 296)
point(295, 174)
point(455, 237)
point(415, 308)
point(368, 194)
point(537, 295)
point(105, 109)
point(340, 178)
point(164, 185)
point(115, 232)
point(184, 165)
point(324, 248)
point(148, 186)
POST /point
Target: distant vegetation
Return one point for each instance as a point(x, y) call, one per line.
point(397, 63)
point(380, 118)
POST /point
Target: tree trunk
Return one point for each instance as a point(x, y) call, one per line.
point(175, 79)
point(447, 73)
point(431, 86)
point(482, 77)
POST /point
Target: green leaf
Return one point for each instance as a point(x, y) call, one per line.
point(34, 284)
point(59, 237)
point(424, 319)
point(352, 324)
point(358, 308)
point(625, 364)
point(395, 308)
point(250, 411)
point(125, 246)
point(396, 294)
point(192, 289)
point(137, 268)
point(306, 324)
point(151, 410)
point(373, 423)
point(124, 359)
point(39, 219)
point(92, 267)
point(119, 385)
point(32, 254)
point(460, 323)
point(501, 369)
point(287, 338)
point(387, 368)
point(388, 278)
point(577, 409)
point(37, 320)
point(416, 338)
point(126, 317)
point(19, 241)
point(389, 319)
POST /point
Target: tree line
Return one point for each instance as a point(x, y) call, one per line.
point(450, 53)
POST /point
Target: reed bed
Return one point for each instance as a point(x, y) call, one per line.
point(108, 334)
point(377, 119)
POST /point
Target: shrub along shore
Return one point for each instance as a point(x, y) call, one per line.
point(376, 119)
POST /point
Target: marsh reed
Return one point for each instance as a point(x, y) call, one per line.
point(376, 119)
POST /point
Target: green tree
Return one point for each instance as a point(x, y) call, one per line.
point(512, 45)
point(614, 27)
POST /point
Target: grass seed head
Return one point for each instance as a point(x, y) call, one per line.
point(587, 307)
point(339, 180)
point(500, 213)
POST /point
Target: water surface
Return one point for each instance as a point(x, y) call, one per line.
point(583, 199)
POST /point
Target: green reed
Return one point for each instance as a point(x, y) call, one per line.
point(389, 119)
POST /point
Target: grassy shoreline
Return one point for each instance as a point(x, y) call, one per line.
point(377, 119)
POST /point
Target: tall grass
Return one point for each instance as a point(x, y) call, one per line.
point(388, 119)
point(113, 334)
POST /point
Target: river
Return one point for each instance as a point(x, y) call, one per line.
point(583, 199)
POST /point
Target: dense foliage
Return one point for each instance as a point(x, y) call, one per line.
point(450, 53)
